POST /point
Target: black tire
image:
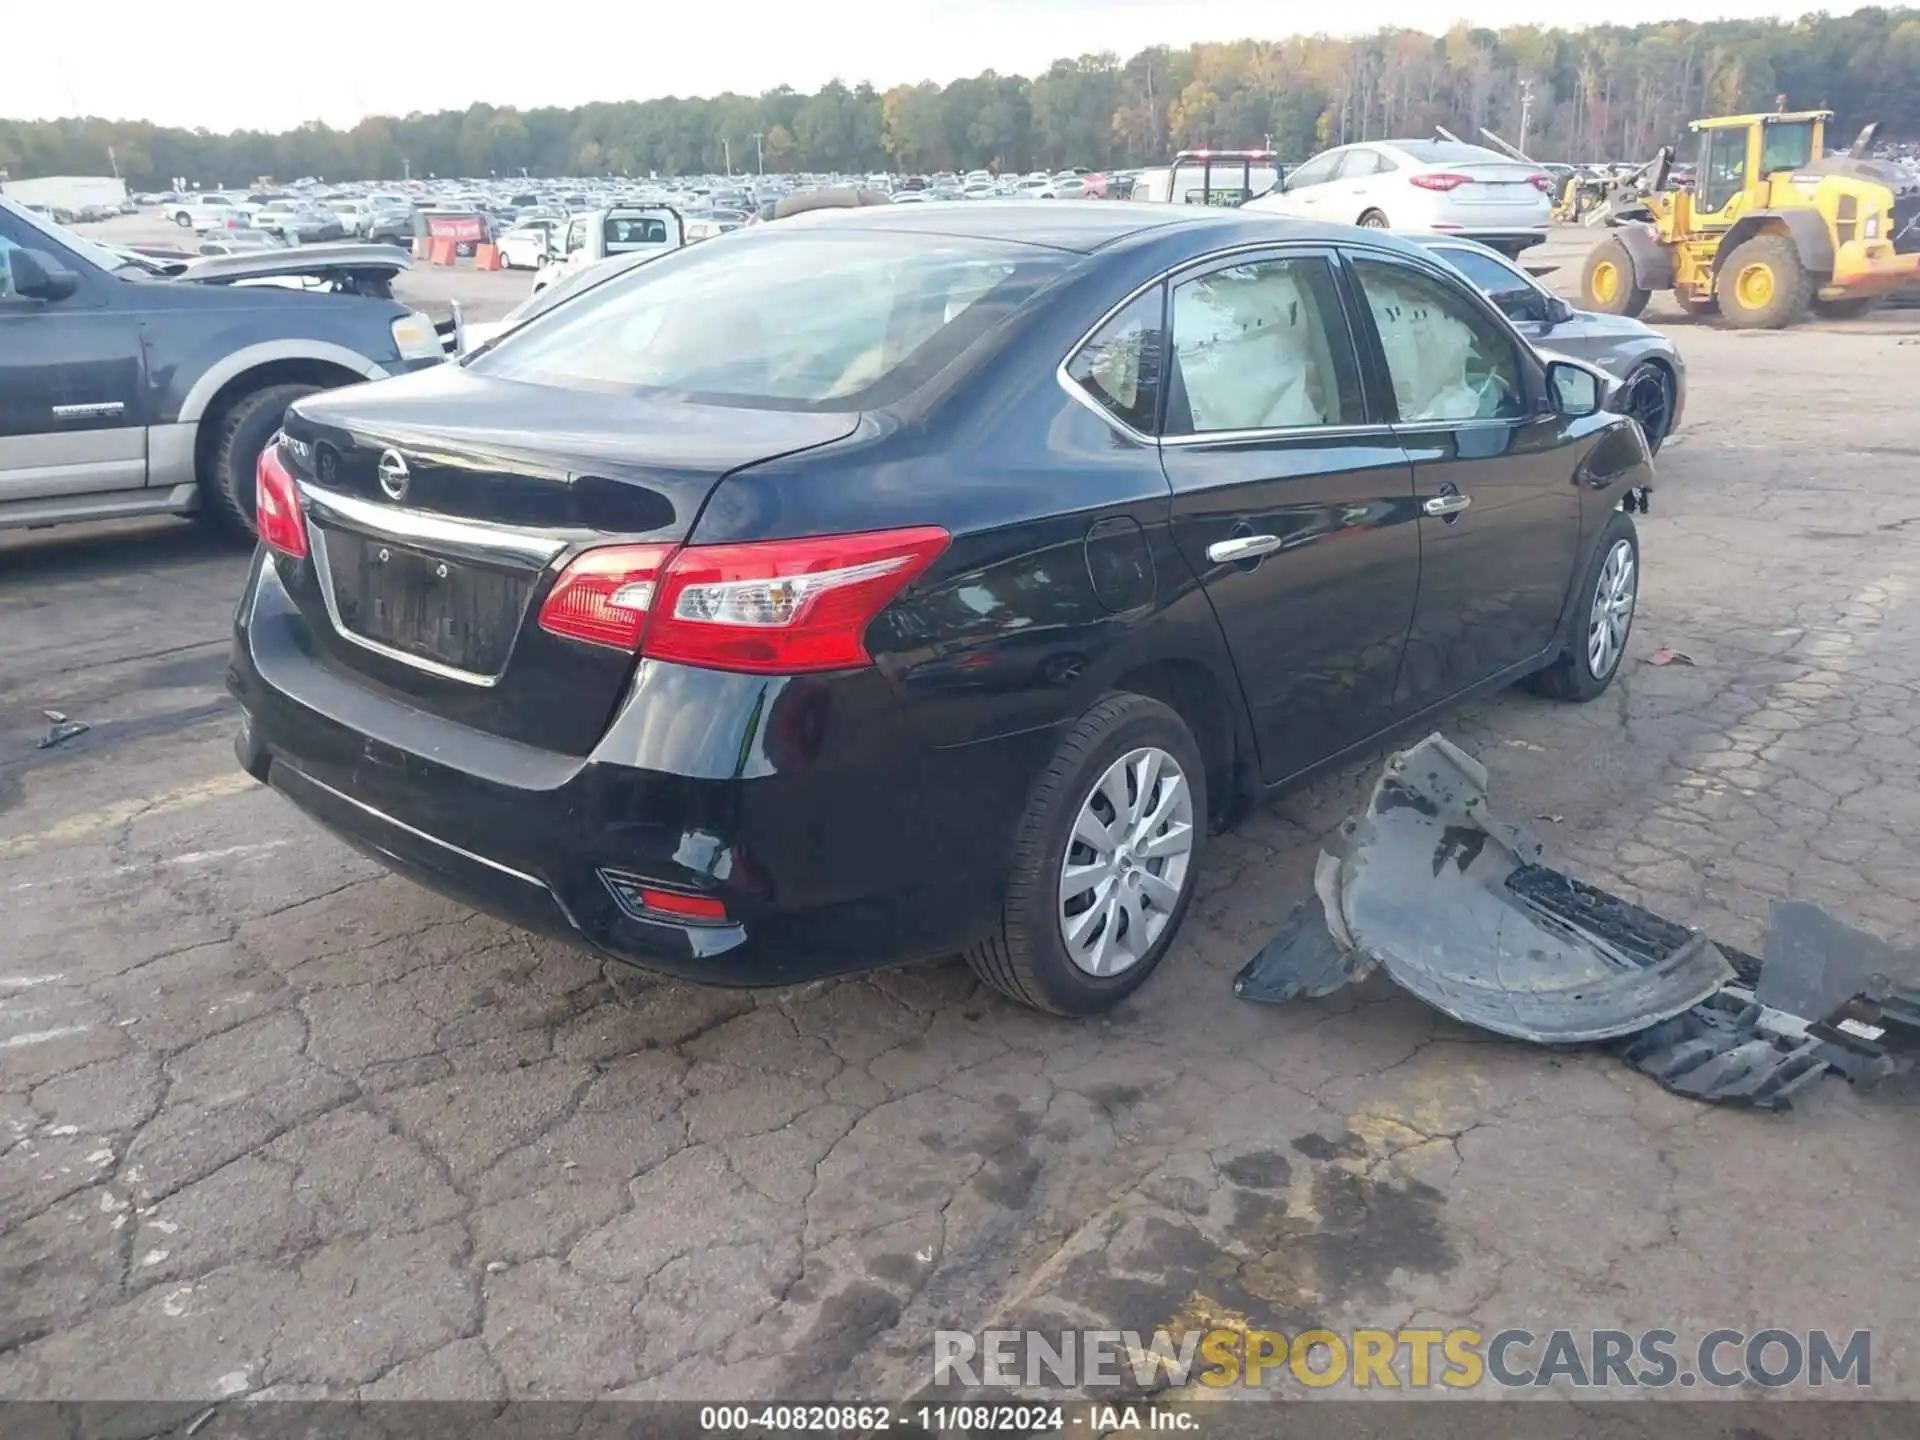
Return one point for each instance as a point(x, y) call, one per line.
point(1571, 675)
point(183, 219)
point(1027, 960)
point(227, 487)
point(1624, 295)
point(1790, 294)
point(1373, 220)
point(1850, 308)
point(1654, 412)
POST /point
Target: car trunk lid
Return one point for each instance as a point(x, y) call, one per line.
point(441, 506)
point(1498, 183)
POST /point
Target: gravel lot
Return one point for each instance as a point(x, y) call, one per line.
point(273, 1122)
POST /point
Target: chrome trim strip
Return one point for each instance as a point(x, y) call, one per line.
point(418, 834)
point(99, 410)
point(1435, 427)
point(1280, 432)
point(323, 572)
point(416, 527)
point(1075, 391)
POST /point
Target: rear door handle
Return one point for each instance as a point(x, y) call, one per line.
point(1447, 504)
point(1242, 547)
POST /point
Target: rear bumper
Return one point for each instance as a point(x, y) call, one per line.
point(836, 839)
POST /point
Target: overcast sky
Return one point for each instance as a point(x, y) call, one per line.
point(272, 65)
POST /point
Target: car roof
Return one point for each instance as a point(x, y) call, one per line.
point(1082, 226)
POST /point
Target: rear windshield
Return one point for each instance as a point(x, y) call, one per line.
point(816, 320)
point(1445, 152)
point(622, 232)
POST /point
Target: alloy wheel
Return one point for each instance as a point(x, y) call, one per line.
point(1612, 614)
point(1127, 862)
point(1648, 403)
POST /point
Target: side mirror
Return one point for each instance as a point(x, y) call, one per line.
point(1575, 390)
point(38, 276)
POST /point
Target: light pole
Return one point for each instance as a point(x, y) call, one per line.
point(1526, 112)
point(760, 151)
point(726, 149)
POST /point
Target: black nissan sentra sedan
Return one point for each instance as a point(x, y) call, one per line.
point(892, 583)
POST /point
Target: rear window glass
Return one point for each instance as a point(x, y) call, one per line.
point(795, 320)
point(1444, 152)
point(623, 233)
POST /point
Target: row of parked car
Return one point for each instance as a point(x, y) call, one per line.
point(293, 218)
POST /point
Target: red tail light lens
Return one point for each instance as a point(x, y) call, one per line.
point(777, 607)
point(276, 506)
point(783, 607)
point(1440, 180)
point(603, 597)
point(1542, 183)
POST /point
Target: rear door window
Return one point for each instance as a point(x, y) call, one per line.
point(1316, 171)
point(1261, 346)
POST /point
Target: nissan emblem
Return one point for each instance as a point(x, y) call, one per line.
point(394, 475)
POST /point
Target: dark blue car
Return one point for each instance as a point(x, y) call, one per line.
point(896, 582)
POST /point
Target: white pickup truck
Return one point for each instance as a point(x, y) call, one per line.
point(599, 234)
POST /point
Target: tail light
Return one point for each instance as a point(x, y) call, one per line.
point(276, 506)
point(1440, 180)
point(604, 595)
point(1542, 183)
point(778, 607)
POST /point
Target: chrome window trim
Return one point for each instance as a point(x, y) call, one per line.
point(1438, 270)
point(1075, 390)
point(1278, 432)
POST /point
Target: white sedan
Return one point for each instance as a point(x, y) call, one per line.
point(1441, 186)
point(527, 244)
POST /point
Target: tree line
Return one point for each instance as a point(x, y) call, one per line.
point(1604, 93)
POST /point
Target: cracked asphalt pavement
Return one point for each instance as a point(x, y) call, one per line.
point(275, 1123)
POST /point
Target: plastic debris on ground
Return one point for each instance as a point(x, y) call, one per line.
point(1459, 908)
point(60, 729)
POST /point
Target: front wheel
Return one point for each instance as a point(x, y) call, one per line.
point(1650, 401)
point(1597, 639)
point(1608, 283)
point(1763, 284)
point(1373, 220)
point(1104, 862)
point(228, 489)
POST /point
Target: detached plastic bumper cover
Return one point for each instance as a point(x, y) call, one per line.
point(1421, 888)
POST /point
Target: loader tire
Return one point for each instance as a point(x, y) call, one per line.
point(1608, 283)
point(1763, 284)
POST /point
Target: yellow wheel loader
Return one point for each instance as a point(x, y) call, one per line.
point(1771, 229)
